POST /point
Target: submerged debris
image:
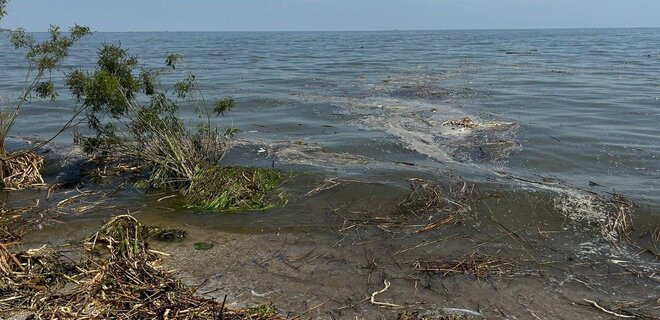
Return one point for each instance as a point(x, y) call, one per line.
point(610, 312)
point(20, 170)
point(103, 167)
point(202, 246)
point(445, 314)
point(9, 214)
point(167, 234)
point(475, 264)
point(425, 196)
point(331, 183)
point(384, 304)
point(652, 243)
point(428, 206)
point(118, 277)
point(448, 203)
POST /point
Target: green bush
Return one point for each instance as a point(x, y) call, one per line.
point(133, 118)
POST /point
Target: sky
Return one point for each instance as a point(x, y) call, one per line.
point(315, 15)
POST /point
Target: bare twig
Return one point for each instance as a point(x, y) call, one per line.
point(384, 304)
point(597, 306)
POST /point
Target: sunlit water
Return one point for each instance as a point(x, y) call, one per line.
point(561, 113)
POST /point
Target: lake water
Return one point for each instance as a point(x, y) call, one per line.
point(563, 117)
point(585, 104)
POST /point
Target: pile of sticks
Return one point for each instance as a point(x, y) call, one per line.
point(21, 170)
point(118, 277)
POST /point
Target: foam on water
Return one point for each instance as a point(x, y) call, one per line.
point(418, 118)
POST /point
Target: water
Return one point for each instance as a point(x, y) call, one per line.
point(561, 114)
point(585, 102)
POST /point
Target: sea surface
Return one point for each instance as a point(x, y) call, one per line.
point(562, 136)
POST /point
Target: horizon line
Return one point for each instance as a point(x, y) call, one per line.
point(364, 30)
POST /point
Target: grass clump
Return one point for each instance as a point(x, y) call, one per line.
point(240, 189)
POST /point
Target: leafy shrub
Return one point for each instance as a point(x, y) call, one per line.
point(132, 117)
point(43, 57)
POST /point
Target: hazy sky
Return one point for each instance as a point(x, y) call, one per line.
point(236, 15)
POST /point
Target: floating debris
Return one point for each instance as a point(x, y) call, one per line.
point(527, 52)
point(428, 87)
point(612, 214)
point(465, 122)
point(299, 152)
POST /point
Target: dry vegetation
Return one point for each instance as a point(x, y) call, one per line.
point(21, 170)
point(444, 203)
point(117, 277)
point(475, 264)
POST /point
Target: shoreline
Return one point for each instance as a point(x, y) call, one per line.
point(346, 255)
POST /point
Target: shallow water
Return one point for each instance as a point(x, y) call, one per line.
point(555, 110)
point(310, 257)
